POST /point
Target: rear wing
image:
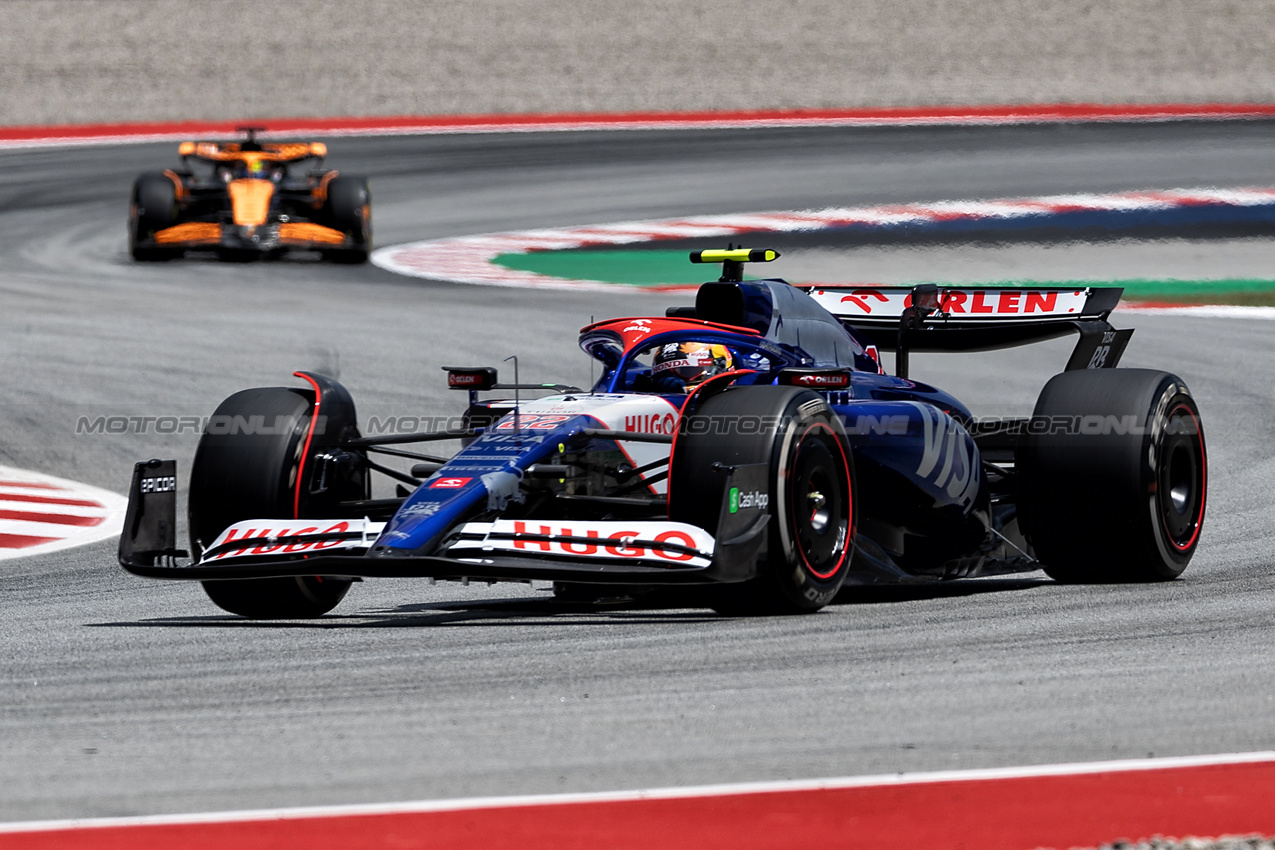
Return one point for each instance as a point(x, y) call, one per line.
point(932, 318)
point(252, 150)
point(234, 152)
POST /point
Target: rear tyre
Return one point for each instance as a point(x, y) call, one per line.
point(153, 208)
point(810, 536)
point(238, 476)
point(1113, 476)
point(349, 210)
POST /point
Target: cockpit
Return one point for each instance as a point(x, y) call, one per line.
point(752, 328)
point(254, 169)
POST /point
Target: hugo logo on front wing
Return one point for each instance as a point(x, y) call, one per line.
point(237, 532)
point(671, 542)
point(617, 544)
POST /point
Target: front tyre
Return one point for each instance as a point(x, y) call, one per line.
point(290, 598)
point(249, 465)
point(349, 209)
point(810, 535)
point(1113, 476)
point(152, 208)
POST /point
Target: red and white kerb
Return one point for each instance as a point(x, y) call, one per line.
point(40, 513)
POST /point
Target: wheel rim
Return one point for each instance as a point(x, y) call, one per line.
point(1181, 480)
point(819, 503)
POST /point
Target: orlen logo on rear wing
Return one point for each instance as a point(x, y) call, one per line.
point(979, 318)
point(876, 304)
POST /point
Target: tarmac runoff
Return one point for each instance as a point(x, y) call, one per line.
point(1192, 248)
point(1237, 271)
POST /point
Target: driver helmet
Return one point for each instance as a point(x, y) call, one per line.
point(692, 362)
point(257, 169)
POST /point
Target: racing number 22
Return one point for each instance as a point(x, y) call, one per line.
point(533, 421)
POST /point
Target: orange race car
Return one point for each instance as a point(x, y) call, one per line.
point(253, 199)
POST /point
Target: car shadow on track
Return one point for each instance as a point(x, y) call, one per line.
point(885, 594)
point(478, 612)
point(653, 608)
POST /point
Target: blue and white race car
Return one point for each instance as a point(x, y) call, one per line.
point(752, 444)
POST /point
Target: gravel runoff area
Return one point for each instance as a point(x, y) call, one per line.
point(78, 61)
point(1247, 842)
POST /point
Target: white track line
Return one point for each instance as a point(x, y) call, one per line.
point(697, 791)
point(961, 116)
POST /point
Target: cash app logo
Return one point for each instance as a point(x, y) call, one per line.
point(734, 499)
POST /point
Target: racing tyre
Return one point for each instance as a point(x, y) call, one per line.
point(153, 208)
point(810, 536)
point(1113, 476)
point(238, 476)
point(349, 210)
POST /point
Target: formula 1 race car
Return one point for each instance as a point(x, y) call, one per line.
point(752, 444)
point(252, 199)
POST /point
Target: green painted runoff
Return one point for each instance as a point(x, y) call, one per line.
point(672, 268)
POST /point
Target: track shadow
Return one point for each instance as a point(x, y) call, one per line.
point(656, 607)
point(886, 594)
point(499, 612)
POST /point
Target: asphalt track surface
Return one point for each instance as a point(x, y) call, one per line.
point(123, 696)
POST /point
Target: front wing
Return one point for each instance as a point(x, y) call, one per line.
point(210, 235)
point(596, 552)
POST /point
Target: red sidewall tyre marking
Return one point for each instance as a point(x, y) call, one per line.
point(845, 550)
